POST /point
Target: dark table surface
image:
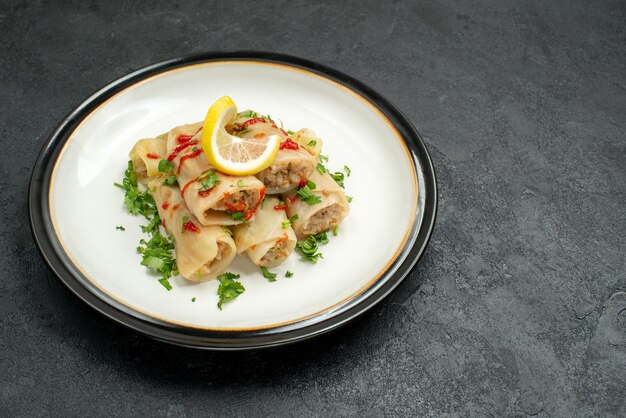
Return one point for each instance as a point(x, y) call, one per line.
point(518, 305)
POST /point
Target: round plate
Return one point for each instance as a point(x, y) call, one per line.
point(74, 207)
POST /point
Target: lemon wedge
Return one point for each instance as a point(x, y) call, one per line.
point(231, 154)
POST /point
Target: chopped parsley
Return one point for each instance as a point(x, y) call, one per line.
point(137, 202)
point(170, 180)
point(312, 143)
point(308, 248)
point(349, 199)
point(238, 216)
point(208, 180)
point(157, 255)
point(338, 177)
point(288, 274)
point(323, 157)
point(269, 276)
point(120, 228)
point(347, 170)
point(229, 288)
point(304, 193)
point(165, 166)
point(166, 284)
point(290, 221)
point(193, 299)
point(194, 149)
point(240, 183)
point(157, 252)
point(290, 132)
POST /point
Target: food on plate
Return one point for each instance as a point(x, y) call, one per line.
point(213, 187)
point(319, 203)
point(202, 252)
point(214, 198)
point(268, 240)
point(146, 155)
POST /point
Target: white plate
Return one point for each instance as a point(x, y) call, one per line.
point(376, 242)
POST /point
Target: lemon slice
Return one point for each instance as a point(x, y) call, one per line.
point(232, 154)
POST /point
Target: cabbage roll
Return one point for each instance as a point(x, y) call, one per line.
point(146, 155)
point(214, 198)
point(264, 240)
point(202, 252)
point(319, 217)
point(292, 163)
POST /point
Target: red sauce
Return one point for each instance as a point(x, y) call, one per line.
point(280, 207)
point(302, 183)
point(252, 122)
point(289, 144)
point(165, 205)
point(152, 156)
point(179, 148)
point(292, 199)
point(191, 227)
point(185, 138)
point(187, 157)
point(205, 193)
point(184, 189)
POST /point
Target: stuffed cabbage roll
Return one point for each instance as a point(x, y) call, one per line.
point(318, 217)
point(146, 155)
point(202, 252)
point(269, 239)
point(214, 198)
point(292, 163)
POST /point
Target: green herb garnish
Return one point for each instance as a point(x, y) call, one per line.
point(227, 230)
point(290, 132)
point(238, 216)
point(308, 249)
point(208, 180)
point(321, 169)
point(240, 183)
point(166, 284)
point(288, 274)
point(193, 299)
point(347, 170)
point(269, 276)
point(312, 143)
point(323, 157)
point(229, 288)
point(136, 201)
point(349, 199)
point(157, 255)
point(120, 228)
point(170, 180)
point(304, 193)
point(338, 177)
point(336, 230)
point(165, 166)
point(290, 221)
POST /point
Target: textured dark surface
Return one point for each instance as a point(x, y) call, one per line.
point(518, 306)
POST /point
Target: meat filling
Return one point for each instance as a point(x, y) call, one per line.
point(324, 219)
point(277, 252)
point(284, 177)
point(238, 201)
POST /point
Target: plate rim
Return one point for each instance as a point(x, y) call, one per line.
point(66, 272)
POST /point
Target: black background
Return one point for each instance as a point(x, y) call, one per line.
point(518, 306)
